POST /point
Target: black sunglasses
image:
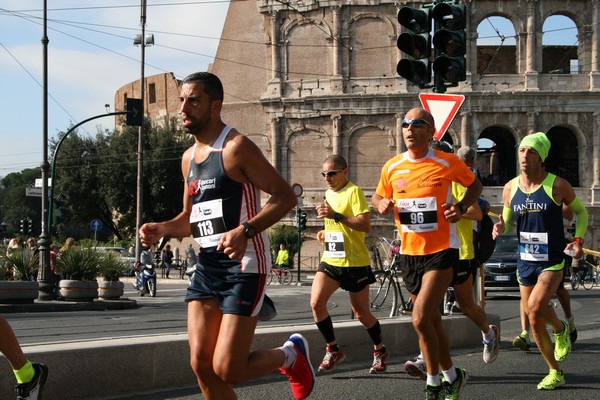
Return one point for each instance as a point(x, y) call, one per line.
point(330, 173)
point(417, 123)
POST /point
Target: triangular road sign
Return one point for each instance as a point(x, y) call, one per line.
point(443, 107)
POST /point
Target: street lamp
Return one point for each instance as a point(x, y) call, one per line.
point(141, 40)
point(46, 287)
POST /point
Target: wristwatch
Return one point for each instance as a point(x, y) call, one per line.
point(461, 207)
point(249, 230)
point(337, 217)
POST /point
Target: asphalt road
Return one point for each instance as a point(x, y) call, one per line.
point(513, 376)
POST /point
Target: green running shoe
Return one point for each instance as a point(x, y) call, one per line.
point(434, 393)
point(562, 343)
point(453, 389)
point(552, 380)
point(572, 331)
point(522, 342)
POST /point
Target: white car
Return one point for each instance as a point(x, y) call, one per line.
point(124, 254)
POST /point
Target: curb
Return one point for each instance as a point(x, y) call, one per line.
point(121, 366)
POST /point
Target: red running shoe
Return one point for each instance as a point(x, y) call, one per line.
point(301, 374)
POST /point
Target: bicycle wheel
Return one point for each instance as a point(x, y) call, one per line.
point(587, 281)
point(383, 295)
point(376, 263)
point(286, 276)
point(270, 277)
point(575, 281)
point(405, 306)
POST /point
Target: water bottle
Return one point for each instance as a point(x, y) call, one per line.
point(570, 252)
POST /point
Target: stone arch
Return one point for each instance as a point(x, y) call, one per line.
point(369, 146)
point(304, 41)
point(370, 34)
point(489, 54)
point(308, 146)
point(498, 164)
point(564, 156)
point(556, 58)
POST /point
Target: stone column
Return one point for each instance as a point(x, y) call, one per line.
point(400, 147)
point(275, 53)
point(595, 61)
point(337, 40)
point(531, 61)
point(596, 153)
point(335, 129)
point(465, 138)
point(276, 148)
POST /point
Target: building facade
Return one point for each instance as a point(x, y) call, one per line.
point(306, 79)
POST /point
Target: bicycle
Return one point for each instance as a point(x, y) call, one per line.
point(385, 295)
point(586, 275)
point(281, 274)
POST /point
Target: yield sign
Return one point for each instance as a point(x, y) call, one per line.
point(443, 107)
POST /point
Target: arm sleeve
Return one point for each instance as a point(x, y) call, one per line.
point(509, 222)
point(582, 217)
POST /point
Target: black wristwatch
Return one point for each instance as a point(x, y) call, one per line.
point(337, 217)
point(249, 230)
point(462, 208)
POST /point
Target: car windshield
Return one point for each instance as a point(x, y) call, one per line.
point(507, 244)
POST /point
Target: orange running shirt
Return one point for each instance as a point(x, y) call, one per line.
point(419, 188)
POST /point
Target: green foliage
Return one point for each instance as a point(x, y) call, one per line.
point(96, 177)
point(112, 266)
point(15, 205)
point(79, 263)
point(24, 264)
point(286, 234)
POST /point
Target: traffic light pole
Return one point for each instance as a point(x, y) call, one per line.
point(299, 239)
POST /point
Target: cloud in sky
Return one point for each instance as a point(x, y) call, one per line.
point(90, 55)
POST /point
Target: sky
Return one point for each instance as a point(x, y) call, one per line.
point(91, 54)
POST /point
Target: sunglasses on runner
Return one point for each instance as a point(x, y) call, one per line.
point(330, 173)
point(417, 123)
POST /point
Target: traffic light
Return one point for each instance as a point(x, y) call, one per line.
point(29, 226)
point(135, 112)
point(22, 226)
point(301, 221)
point(450, 41)
point(415, 66)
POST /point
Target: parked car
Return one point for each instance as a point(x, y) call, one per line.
point(500, 270)
point(124, 254)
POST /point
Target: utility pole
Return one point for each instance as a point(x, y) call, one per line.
point(140, 151)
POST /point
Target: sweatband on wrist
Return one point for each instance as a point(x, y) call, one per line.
point(580, 211)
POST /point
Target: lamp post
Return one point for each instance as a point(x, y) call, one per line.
point(46, 287)
point(143, 41)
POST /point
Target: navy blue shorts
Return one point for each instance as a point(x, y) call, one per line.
point(238, 293)
point(352, 279)
point(414, 267)
point(527, 275)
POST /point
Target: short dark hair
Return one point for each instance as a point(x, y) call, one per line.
point(337, 160)
point(212, 84)
point(441, 145)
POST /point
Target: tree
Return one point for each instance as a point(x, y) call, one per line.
point(15, 204)
point(97, 178)
point(284, 234)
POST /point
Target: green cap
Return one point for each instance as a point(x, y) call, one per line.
point(538, 141)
